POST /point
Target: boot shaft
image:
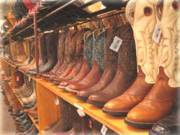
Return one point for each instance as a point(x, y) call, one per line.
point(127, 53)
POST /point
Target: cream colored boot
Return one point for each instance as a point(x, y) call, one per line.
point(169, 50)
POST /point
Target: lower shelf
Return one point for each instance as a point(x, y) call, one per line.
point(34, 122)
point(117, 124)
point(26, 110)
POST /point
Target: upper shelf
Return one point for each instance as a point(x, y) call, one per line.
point(60, 14)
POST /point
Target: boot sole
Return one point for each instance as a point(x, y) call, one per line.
point(97, 104)
point(141, 125)
point(115, 113)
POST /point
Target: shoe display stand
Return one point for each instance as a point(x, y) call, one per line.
point(48, 109)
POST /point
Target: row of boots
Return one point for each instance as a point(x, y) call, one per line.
point(21, 119)
point(99, 64)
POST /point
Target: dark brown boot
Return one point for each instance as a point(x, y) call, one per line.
point(61, 50)
point(110, 63)
point(126, 71)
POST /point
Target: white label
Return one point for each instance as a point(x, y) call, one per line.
point(29, 78)
point(104, 130)
point(56, 101)
point(116, 44)
point(78, 106)
point(17, 78)
point(156, 37)
point(81, 113)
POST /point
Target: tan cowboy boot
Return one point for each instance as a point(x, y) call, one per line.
point(159, 101)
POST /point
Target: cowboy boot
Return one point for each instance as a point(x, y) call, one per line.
point(42, 54)
point(159, 101)
point(68, 58)
point(98, 65)
point(110, 60)
point(51, 53)
point(61, 48)
point(32, 63)
point(65, 123)
point(86, 64)
point(77, 57)
point(125, 74)
point(27, 53)
point(146, 76)
point(27, 89)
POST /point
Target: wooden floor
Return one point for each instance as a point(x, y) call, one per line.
point(7, 126)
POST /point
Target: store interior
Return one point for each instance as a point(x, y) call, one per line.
point(90, 67)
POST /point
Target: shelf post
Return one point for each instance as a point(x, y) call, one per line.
point(36, 35)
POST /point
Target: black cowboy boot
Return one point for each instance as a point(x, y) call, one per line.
point(51, 41)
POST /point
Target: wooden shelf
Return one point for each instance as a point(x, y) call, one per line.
point(34, 122)
point(116, 124)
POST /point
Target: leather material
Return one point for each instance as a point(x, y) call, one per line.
point(131, 97)
point(69, 51)
point(61, 53)
point(51, 53)
point(125, 74)
point(90, 79)
point(82, 73)
point(161, 98)
point(87, 60)
point(98, 65)
point(68, 117)
point(74, 71)
point(168, 51)
point(110, 64)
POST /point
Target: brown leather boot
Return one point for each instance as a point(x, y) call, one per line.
point(91, 78)
point(74, 71)
point(125, 74)
point(87, 60)
point(61, 49)
point(110, 62)
point(156, 105)
point(131, 97)
point(82, 73)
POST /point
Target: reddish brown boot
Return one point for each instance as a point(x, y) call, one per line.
point(91, 78)
point(82, 73)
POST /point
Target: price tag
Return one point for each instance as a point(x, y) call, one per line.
point(80, 110)
point(156, 37)
point(78, 106)
point(81, 113)
point(17, 78)
point(56, 102)
point(29, 78)
point(104, 130)
point(116, 44)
